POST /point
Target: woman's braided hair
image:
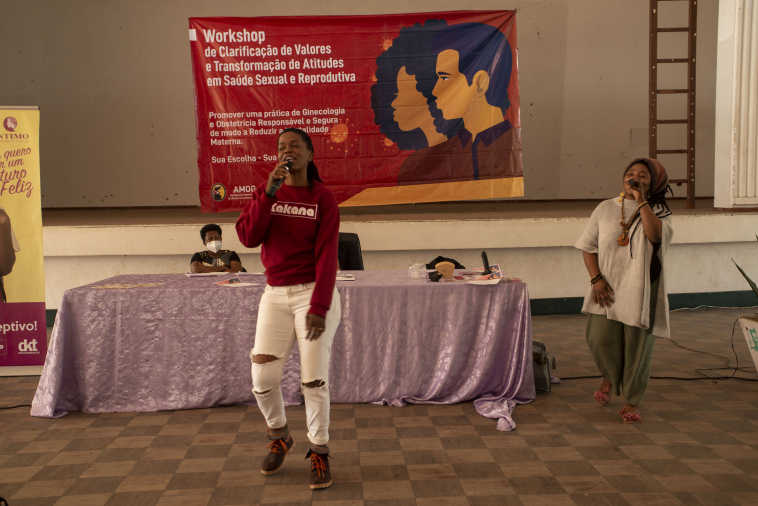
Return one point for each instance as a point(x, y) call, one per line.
point(312, 171)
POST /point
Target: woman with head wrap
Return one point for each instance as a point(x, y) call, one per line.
point(625, 245)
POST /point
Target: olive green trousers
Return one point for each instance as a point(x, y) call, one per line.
point(623, 353)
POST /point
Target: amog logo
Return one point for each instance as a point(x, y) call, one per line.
point(295, 209)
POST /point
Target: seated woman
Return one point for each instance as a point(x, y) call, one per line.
point(214, 259)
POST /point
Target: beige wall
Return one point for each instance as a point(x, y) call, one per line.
point(114, 85)
point(539, 250)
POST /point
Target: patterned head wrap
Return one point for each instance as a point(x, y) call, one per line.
point(659, 179)
point(659, 185)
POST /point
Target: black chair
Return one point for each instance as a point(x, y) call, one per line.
point(349, 253)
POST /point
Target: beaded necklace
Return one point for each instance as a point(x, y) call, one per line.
point(624, 237)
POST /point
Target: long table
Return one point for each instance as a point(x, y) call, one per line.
point(167, 342)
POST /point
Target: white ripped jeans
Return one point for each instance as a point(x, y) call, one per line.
point(281, 319)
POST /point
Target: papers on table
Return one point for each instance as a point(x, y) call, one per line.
point(204, 274)
point(488, 279)
point(476, 276)
point(491, 281)
point(234, 282)
point(125, 286)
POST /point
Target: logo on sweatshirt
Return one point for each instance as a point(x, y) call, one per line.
point(295, 209)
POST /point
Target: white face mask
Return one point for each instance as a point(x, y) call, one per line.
point(214, 246)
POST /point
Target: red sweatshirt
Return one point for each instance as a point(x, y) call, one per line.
point(299, 231)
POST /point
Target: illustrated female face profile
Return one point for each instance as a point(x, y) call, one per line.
point(411, 110)
point(406, 72)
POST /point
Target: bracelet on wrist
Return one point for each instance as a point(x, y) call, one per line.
point(596, 279)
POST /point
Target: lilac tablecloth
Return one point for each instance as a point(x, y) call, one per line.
point(185, 344)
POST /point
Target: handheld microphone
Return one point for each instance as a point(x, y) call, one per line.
point(632, 183)
point(278, 183)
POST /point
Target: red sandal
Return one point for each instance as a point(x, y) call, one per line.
point(630, 417)
point(601, 396)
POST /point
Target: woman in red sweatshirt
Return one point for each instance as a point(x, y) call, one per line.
point(298, 227)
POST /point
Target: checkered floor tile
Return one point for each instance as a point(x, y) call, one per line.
point(698, 444)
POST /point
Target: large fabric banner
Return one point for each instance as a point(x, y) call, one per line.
point(23, 333)
point(401, 108)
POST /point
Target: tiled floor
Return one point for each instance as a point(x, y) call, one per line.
point(698, 444)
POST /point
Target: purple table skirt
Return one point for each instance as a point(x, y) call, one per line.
point(185, 344)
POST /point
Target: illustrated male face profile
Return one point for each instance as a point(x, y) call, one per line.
point(473, 67)
point(455, 95)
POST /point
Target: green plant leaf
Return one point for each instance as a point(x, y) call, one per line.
point(750, 281)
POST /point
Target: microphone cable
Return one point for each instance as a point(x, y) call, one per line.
point(735, 369)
